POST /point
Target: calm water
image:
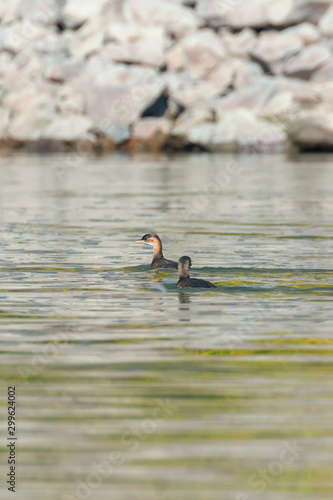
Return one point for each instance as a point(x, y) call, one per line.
point(128, 389)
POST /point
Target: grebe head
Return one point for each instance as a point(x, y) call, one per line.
point(154, 241)
point(184, 265)
point(150, 239)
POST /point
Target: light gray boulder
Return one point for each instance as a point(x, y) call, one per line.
point(324, 73)
point(326, 23)
point(4, 122)
point(252, 98)
point(77, 12)
point(44, 12)
point(309, 60)
point(241, 130)
point(308, 33)
point(60, 70)
point(239, 44)
point(116, 94)
point(191, 119)
point(239, 14)
point(236, 130)
point(68, 128)
point(151, 131)
point(135, 45)
point(20, 36)
point(197, 54)
point(29, 124)
point(246, 74)
point(311, 128)
point(117, 133)
point(8, 11)
point(176, 19)
point(87, 40)
point(188, 91)
point(273, 48)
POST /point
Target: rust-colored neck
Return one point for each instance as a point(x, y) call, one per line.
point(157, 246)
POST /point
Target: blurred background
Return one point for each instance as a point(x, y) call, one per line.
point(218, 75)
point(209, 122)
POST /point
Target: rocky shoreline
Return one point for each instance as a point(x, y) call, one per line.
point(218, 75)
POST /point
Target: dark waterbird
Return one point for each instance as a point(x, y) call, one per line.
point(159, 261)
point(184, 265)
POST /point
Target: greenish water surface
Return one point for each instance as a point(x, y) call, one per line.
point(128, 389)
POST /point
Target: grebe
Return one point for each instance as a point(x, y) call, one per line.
point(159, 261)
point(184, 265)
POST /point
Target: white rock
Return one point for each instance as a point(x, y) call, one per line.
point(239, 44)
point(187, 91)
point(312, 127)
point(58, 69)
point(310, 59)
point(286, 12)
point(70, 103)
point(136, 46)
point(29, 98)
point(51, 43)
point(151, 129)
point(201, 135)
point(45, 12)
point(8, 11)
point(246, 74)
point(117, 94)
point(280, 108)
point(68, 128)
point(175, 19)
point(240, 130)
point(87, 40)
point(4, 122)
point(6, 63)
point(326, 23)
point(191, 119)
point(304, 93)
point(252, 98)
point(240, 14)
point(324, 73)
point(77, 12)
point(307, 32)
point(274, 47)
point(197, 54)
point(233, 13)
point(19, 36)
point(29, 126)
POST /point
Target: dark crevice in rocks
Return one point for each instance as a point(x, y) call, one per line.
point(158, 108)
point(191, 4)
point(175, 144)
point(264, 66)
point(77, 26)
point(315, 149)
point(60, 26)
point(180, 110)
point(126, 63)
point(270, 27)
point(225, 92)
point(257, 29)
point(195, 148)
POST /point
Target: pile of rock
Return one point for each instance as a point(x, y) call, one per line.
point(222, 75)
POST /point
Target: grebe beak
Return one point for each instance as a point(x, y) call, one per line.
point(139, 241)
